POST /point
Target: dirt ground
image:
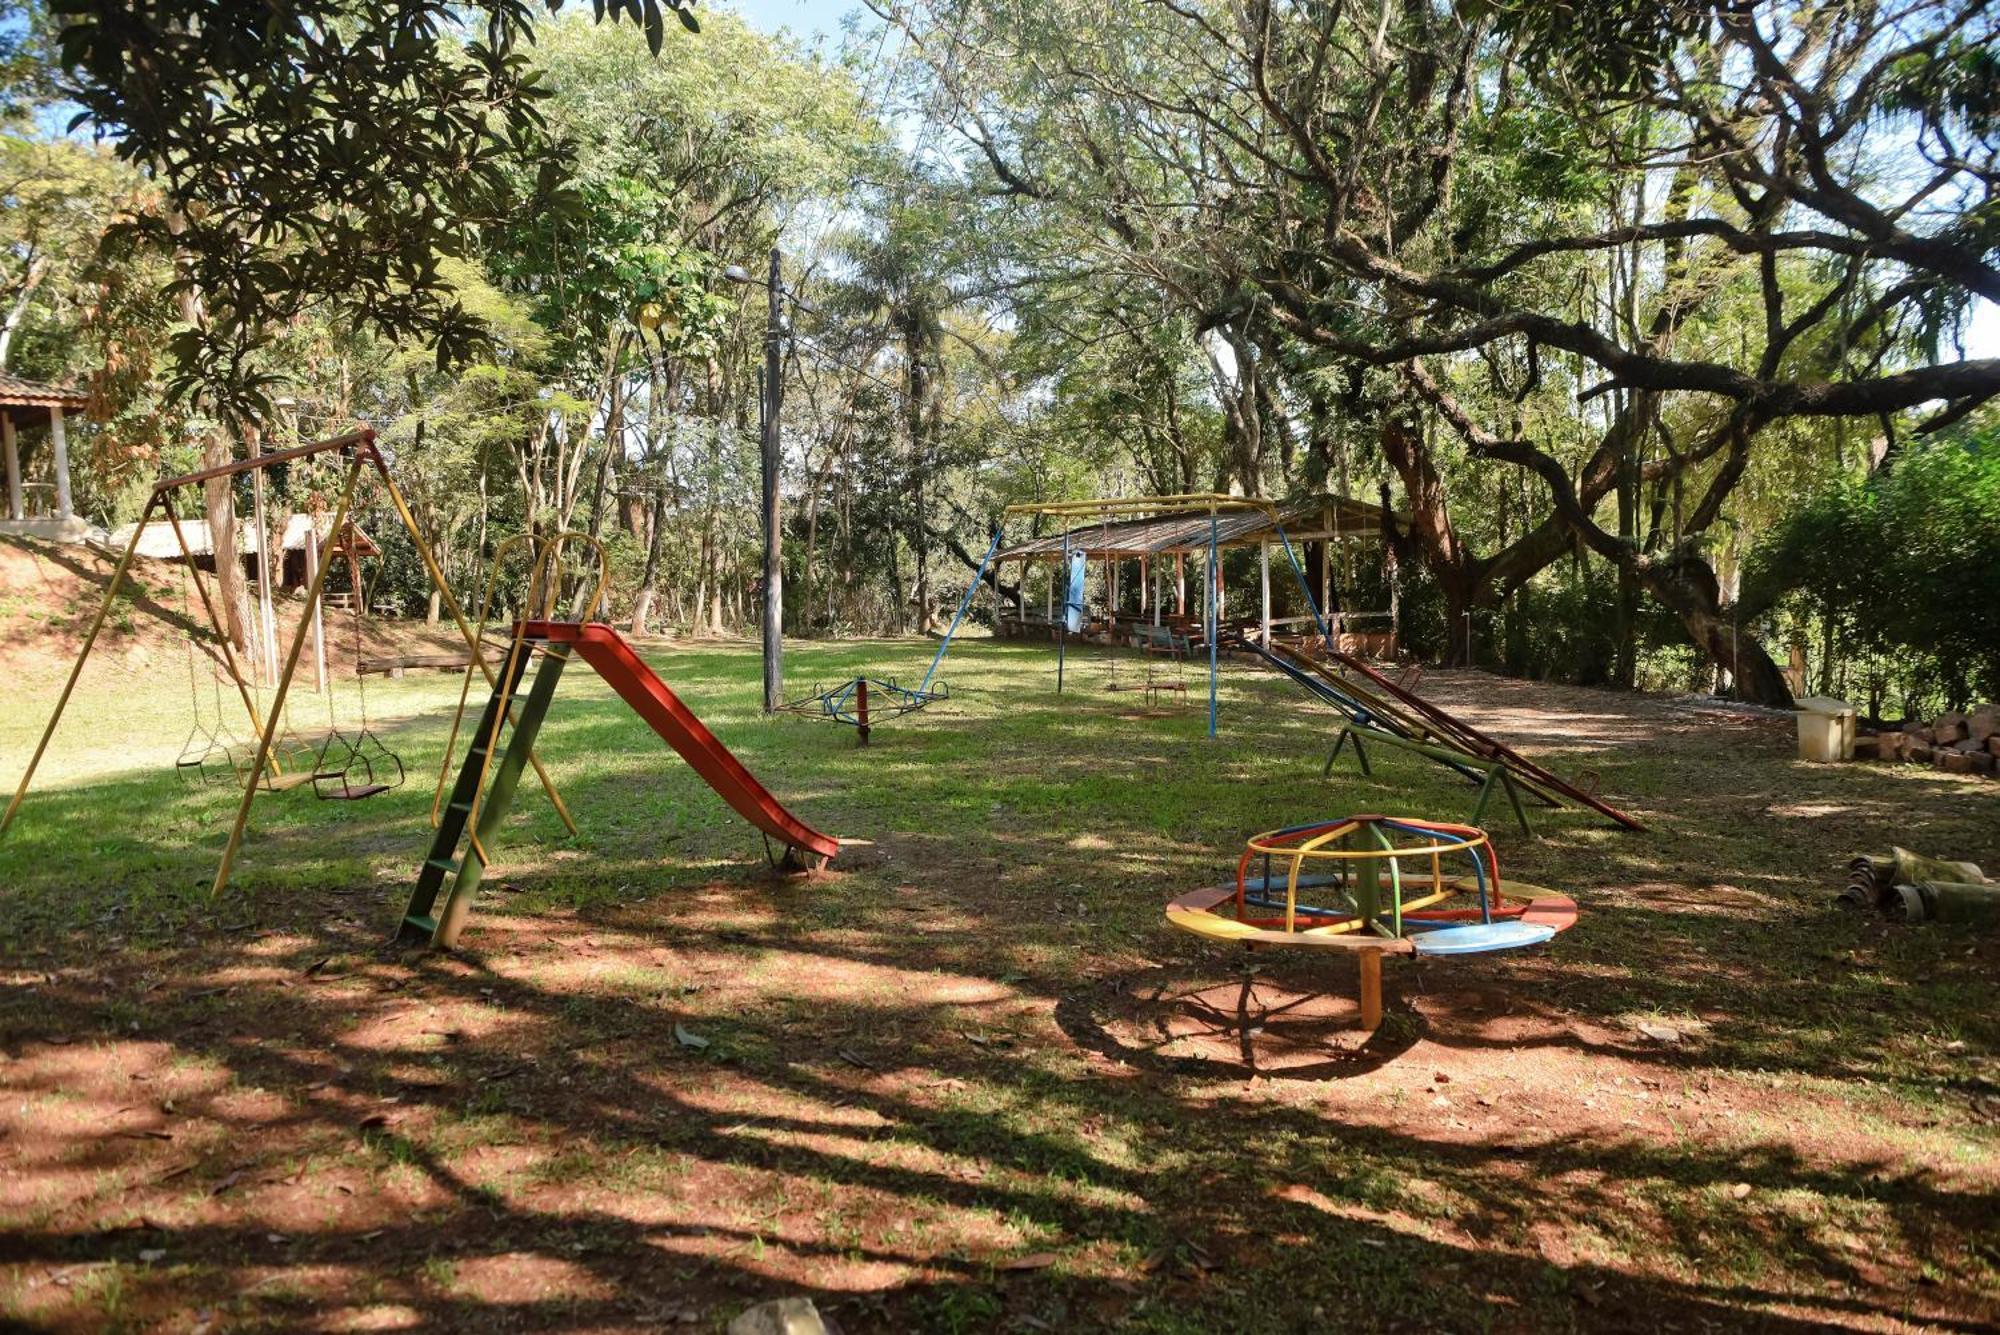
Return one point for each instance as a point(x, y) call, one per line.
point(966, 1084)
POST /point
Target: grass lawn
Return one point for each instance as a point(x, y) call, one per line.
point(971, 1080)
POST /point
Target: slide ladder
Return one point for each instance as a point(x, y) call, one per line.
point(452, 856)
point(457, 856)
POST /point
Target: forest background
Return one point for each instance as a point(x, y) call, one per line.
point(1668, 329)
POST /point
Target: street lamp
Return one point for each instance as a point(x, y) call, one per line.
point(770, 404)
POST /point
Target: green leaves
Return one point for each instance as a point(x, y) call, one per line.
point(1905, 563)
point(645, 13)
point(318, 154)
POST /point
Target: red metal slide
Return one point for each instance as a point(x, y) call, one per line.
point(607, 651)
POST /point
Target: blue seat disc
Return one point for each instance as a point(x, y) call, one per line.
point(1473, 938)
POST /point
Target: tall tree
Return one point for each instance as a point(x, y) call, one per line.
point(1420, 188)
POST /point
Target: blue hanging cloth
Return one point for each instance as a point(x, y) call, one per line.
point(1073, 601)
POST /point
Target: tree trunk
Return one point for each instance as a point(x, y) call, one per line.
point(1625, 660)
point(37, 270)
point(895, 588)
point(1432, 537)
point(614, 431)
point(1691, 589)
point(712, 576)
point(806, 610)
point(219, 505)
point(642, 606)
point(1242, 426)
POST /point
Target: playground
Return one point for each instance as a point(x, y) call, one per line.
point(969, 1077)
point(949, 667)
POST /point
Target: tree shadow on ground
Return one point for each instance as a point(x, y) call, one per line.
point(600, 1074)
point(645, 1089)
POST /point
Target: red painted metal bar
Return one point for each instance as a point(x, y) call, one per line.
point(352, 440)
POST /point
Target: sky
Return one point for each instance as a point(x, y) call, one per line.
point(806, 18)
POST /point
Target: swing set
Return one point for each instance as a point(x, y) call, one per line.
point(348, 769)
point(345, 766)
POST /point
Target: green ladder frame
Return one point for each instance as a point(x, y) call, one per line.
point(441, 929)
point(1497, 774)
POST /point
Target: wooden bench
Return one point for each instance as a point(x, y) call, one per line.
point(395, 667)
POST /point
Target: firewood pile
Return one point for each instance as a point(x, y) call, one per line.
point(1966, 743)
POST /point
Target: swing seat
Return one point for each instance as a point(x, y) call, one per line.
point(346, 770)
point(284, 783)
point(352, 793)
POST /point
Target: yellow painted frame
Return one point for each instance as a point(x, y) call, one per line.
point(363, 449)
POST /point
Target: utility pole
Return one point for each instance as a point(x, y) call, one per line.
point(774, 584)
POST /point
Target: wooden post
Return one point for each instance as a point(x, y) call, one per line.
point(1180, 584)
point(1264, 576)
point(861, 708)
point(1371, 990)
point(1144, 578)
point(1326, 550)
point(13, 451)
point(318, 613)
point(59, 443)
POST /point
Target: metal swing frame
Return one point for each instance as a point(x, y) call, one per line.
point(360, 451)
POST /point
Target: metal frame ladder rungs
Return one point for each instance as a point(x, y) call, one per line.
point(445, 862)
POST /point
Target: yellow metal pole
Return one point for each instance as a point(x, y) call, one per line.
point(215, 622)
point(1292, 893)
point(458, 616)
point(285, 681)
point(76, 668)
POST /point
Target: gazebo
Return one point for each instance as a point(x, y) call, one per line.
point(28, 403)
point(1197, 526)
point(1163, 544)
